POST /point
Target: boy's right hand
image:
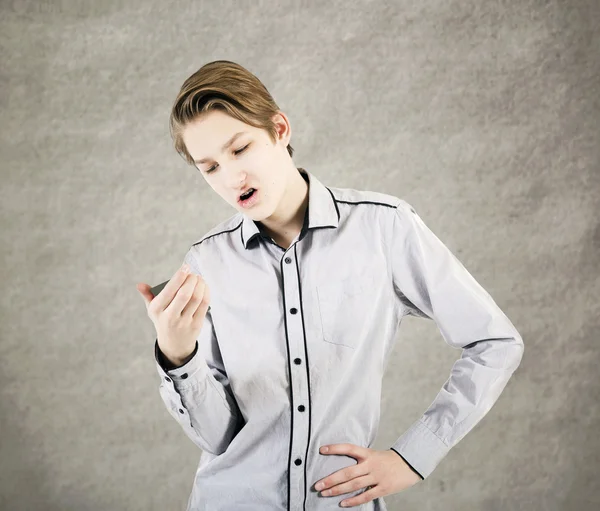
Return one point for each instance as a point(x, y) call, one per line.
point(178, 313)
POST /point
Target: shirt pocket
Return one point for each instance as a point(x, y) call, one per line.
point(341, 309)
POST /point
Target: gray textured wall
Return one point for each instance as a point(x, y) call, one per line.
point(483, 115)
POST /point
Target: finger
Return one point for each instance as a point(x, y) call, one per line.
point(357, 452)
point(182, 295)
point(197, 296)
point(365, 496)
point(341, 476)
point(165, 297)
point(349, 486)
point(145, 291)
point(204, 304)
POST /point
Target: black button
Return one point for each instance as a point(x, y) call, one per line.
point(293, 310)
point(301, 408)
point(297, 361)
point(167, 378)
point(184, 375)
point(298, 461)
point(288, 260)
point(180, 410)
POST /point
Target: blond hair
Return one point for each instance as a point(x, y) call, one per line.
point(226, 86)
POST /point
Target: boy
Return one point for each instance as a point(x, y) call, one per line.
point(307, 288)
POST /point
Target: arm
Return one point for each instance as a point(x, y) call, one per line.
point(430, 282)
point(198, 394)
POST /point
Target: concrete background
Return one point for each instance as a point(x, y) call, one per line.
point(483, 115)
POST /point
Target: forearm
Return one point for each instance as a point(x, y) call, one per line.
point(204, 408)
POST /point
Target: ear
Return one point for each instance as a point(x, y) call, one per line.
point(283, 127)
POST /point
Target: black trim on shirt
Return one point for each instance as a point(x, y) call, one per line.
point(164, 362)
point(412, 468)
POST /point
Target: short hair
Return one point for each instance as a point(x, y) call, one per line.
point(226, 86)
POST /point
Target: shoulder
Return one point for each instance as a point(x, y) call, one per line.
point(224, 228)
point(392, 206)
point(355, 196)
point(210, 240)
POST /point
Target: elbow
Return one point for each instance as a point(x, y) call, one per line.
point(515, 353)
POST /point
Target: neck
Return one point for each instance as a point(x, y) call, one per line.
point(285, 224)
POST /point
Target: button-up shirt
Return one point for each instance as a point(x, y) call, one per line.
point(294, 346)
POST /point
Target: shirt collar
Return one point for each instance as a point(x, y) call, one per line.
point(321, 211)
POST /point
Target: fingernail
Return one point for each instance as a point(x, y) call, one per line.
point(185, 268)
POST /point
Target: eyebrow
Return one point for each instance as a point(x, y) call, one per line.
point(225, 145)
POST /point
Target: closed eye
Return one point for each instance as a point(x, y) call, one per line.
point(239, 151)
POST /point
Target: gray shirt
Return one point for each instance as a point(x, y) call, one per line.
point(293, 349)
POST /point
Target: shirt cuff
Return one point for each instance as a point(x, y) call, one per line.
point(405, 461)
point(422, 449)
point(185, 375)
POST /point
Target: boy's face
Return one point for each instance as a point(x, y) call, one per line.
point(256, 166)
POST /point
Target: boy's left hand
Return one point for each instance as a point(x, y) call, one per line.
point(384, 472)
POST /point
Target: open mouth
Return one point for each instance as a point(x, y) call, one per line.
point(248, 197)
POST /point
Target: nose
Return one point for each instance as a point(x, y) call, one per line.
point(238, 178)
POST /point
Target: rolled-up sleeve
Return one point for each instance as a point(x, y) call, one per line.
point(198, 394)
point(430, 282)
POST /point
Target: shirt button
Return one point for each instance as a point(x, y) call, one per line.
point(180, 410)
point(293, 310)
point(301, 408)
point(298, 461)
point(287, 260)
point(297, 361)
point(167, 378)
point(184, 375)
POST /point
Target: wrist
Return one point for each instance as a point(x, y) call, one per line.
point(173, 361)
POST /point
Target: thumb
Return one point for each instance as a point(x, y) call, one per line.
point(144, 290)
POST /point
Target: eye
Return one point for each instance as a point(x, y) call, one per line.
point(239, 151)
